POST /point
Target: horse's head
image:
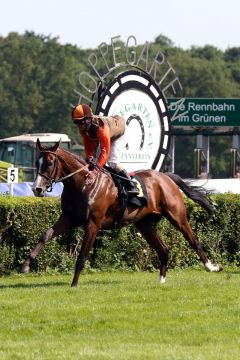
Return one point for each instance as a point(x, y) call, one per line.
point(47, 169)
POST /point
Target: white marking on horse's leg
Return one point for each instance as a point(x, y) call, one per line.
point(212, 268)
point(162, 279)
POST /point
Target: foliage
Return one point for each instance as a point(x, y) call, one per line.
point(163, 41)
point(37, 80)
point(24, 219)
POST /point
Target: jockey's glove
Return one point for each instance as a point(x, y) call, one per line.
point(89, 159)
point(92, 165)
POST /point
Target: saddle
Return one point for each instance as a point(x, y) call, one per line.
point(137, 200)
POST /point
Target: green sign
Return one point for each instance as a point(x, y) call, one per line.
point(204, 112)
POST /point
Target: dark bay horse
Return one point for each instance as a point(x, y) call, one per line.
point(96, 206)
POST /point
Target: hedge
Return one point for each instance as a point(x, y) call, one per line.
point(23, 219)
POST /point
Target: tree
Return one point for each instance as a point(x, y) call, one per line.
point(163, 41)
point(232, 54)
point(207, 52)
point(37, 80)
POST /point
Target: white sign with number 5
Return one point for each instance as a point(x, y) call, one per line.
point(12, 175)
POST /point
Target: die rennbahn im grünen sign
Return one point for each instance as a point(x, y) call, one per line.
point(205, 112)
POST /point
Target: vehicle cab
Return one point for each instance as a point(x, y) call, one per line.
point(20, 151)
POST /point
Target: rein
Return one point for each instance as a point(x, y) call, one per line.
point(50, 178)
point(71, 174)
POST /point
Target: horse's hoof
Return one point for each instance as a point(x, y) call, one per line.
point(24, 269)
point(219, 267)
point(162, 279)
point(213, 267)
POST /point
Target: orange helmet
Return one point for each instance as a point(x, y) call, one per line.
point(81, 111)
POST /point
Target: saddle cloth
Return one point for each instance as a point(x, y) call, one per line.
point(137, 200)
point(142, 198)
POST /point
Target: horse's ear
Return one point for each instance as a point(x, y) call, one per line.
point(56, 146)
point(39, 145)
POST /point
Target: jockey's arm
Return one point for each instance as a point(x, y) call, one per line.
point(89, 146)
point(103, 135)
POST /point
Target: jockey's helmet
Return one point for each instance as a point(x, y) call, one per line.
point(80, 112)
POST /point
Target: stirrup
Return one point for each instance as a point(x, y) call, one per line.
point(133, 191)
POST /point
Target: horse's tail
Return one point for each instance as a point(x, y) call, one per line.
point(194, 192)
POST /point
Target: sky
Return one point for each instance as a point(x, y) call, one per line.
point(88, 23)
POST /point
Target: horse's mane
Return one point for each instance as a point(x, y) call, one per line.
point(75, 156)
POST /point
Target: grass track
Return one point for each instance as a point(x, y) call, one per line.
point(121, 316)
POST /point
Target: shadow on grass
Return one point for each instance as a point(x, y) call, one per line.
point(38, 285)
point(99, 282)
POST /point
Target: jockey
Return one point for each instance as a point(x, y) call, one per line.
point(107, 132)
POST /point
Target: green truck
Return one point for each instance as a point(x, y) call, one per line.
point(20, 151)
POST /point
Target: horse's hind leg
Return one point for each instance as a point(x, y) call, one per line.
point(195, 244)
point(150, 233)
point(178, 218)
point(63, 224)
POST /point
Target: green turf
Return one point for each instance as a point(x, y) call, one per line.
point(195, 315)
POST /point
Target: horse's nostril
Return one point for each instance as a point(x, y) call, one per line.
point(38, 191)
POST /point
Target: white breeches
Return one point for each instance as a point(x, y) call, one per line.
point(117, 146)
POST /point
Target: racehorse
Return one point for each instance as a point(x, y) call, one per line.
point(98, 206)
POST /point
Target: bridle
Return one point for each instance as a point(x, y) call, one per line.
point(51, 178)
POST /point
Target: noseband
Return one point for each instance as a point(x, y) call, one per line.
point(51, 178)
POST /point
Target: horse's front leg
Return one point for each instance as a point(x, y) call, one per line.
point(88, 241)
point(149, 231)
point(63, 224)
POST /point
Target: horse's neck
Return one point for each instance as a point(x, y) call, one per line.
point(70, 163)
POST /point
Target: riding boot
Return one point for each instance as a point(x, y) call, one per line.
point(130, 185)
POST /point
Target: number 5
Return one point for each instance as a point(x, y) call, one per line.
point(12, 175)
